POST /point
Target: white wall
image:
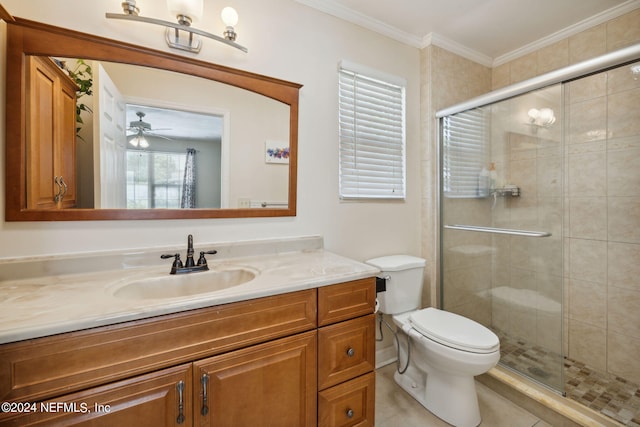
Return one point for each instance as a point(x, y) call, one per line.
point(286, 40)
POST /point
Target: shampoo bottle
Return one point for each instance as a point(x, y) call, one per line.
point(483, 183)
point(493, 176)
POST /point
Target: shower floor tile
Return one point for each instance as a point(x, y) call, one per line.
point(612, 396)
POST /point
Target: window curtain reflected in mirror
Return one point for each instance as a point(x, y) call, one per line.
point(189, 181)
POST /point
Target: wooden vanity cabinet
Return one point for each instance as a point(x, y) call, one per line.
point(51, 135)
point(261, 362)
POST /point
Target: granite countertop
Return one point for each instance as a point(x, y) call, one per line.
point(32, 307)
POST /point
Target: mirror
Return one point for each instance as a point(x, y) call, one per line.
point(160, 136)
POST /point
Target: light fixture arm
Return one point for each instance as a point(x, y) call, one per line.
point(176, 26)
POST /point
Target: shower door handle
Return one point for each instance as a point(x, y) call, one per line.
point(509, 231)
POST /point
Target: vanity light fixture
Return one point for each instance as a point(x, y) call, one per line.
point(543, 117)
point(182, 35)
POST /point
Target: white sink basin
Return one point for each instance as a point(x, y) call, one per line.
point(182, 285)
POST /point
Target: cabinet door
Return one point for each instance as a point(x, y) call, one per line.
point(66, 147)
point(271, 384)
point(41, 132)
point(51, 136)
point(162, 398)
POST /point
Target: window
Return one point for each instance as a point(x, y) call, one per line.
point(464, 154)
point(154, 179)
point(372, 134)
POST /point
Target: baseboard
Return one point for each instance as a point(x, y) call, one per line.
point(385, 356)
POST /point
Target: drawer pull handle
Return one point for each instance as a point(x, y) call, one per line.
point(205, 382)
point(349, 413)
point(180, 387)
point(351, 352)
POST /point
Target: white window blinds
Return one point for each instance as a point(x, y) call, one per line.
point(372, 134)
point(464, 154)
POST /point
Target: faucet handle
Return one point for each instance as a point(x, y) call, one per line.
point(177, 262)
point(202, 260)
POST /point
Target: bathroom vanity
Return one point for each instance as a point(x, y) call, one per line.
point(293, 346)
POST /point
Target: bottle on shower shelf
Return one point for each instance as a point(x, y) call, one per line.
point(493, 177)
point(483, 183)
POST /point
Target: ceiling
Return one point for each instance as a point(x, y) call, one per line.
point(175, 124)
point(486, 29)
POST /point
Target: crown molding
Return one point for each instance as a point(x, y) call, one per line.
point(333, 8)
point(339, 11)
point(457, 48)
point(569, 31)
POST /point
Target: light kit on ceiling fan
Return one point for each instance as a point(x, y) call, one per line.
point(181, 35)
point(142, 129)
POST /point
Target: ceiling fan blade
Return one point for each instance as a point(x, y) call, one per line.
point(155, 135)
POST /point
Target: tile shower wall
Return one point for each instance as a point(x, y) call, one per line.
point(602, 248)
point(527, 272)
point(602, 196)
point(446, 80)
point(604, 222)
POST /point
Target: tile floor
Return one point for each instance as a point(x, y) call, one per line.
point(612, 396)
point(395, 408)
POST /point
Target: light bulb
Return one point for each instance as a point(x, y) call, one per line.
point(533, 114)
point(139, 141)
point(229, 16)
point(546, 116)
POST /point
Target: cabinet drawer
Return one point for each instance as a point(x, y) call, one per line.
point(59, 364)
point(346, 350)
point(346, 300)
point(348, 404)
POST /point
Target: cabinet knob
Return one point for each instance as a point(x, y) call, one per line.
point(351, 352)
point(349, 413)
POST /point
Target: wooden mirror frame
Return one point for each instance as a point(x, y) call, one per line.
point(26, 37)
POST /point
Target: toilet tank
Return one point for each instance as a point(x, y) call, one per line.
point(404, 282)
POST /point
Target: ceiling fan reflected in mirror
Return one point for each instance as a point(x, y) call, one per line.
point(140, 128)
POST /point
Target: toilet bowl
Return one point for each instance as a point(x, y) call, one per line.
point(445, 350)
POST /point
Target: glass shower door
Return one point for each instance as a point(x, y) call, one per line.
point(501, 217)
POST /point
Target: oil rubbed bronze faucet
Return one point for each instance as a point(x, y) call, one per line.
point(190, 266)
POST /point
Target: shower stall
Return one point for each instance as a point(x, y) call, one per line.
point(540, 226)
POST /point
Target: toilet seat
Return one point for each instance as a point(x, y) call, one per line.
point(454, 331)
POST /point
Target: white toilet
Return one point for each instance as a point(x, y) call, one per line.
point(446, 350)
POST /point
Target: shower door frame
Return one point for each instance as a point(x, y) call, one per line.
point(595, 65)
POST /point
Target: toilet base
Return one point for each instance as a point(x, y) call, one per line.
point(451, 398)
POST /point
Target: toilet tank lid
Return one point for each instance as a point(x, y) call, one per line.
point(396, 262)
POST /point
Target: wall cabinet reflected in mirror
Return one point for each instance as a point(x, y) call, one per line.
point(158, 137)
point(51, 140)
